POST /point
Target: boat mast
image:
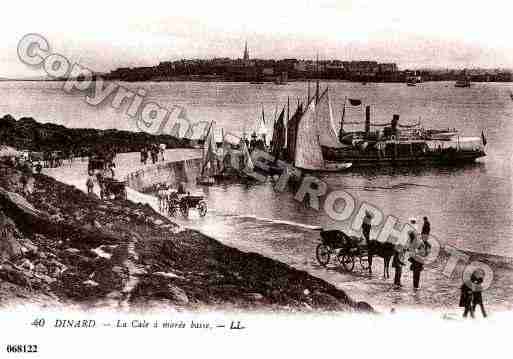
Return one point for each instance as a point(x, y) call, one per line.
point(317, 76)
point(343, 115)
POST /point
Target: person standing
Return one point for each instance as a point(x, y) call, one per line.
point(419, 252)
point(90, 183)
point(466, 300)
point(426, 229)
point(398, 263)
point(477, 296)
point(101, 184)
point(366, 226)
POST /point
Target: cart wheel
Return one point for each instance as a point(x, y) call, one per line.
point(202, 208)
point(184, 209)
point(323, 254)
point(347, 261)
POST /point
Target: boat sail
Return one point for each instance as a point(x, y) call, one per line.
point(325, 124)
point(247, 165)
point(209, 158)
point(292, 133)
point(308, 153)
point(279, 136)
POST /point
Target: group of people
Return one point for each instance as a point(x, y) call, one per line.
point(108, 172)
point(156, 152)
point(415, 251)
point(471, 295)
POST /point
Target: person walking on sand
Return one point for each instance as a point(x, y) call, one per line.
point(398, 263)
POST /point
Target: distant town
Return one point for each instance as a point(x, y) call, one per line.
point(284, 70)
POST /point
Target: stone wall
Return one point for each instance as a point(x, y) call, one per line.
point(171, 173)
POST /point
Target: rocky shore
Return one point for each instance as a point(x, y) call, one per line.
point(28, 134)
point(59, 246)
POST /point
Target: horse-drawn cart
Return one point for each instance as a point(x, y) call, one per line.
point(183, 203)
point(111, 187)
point(347, 250)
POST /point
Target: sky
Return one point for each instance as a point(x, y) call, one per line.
point(104, 35)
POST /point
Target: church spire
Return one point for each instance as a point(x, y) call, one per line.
point(246, 52)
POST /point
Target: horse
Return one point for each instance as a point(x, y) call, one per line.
point(385, 250)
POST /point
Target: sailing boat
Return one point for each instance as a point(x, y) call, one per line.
point(236, 163)
point(209, 159)
point(311, 130)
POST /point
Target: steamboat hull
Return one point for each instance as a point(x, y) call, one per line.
point(446, 157)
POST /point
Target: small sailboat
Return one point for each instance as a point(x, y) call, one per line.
point(236, 164)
